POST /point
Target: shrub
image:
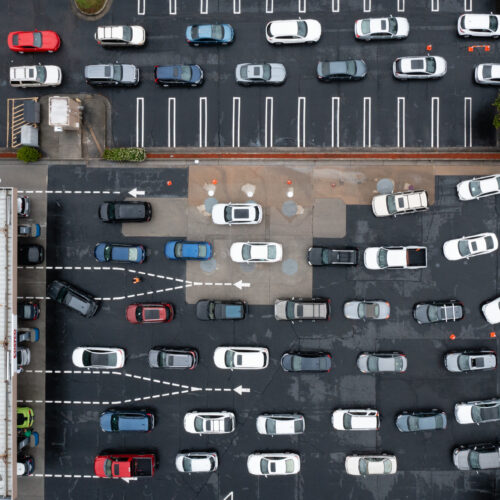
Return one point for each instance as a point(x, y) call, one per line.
point(28, 154)
point(90, 6)
point(125, 154)
point(496, 118)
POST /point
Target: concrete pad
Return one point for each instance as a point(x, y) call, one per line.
point(329, 218)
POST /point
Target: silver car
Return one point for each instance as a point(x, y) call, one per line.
point(260, 74)
point(477, 457)
point(198, 461)
point(466, 361)
point(381, 28)
point(367, 309)
point(380, 362)
point(487, 74)
point(209, 422)
point(278, 424)
point(413, 421)
point(370, 465)
point(419, 68)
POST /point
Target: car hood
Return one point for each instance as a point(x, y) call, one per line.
point(202, 309)
point(351, 310)
point(463, 413)
point(403, 26)
point(420, 313)
point(280, 309)
point(379, 205)
point(464, 191)
point(138, 35)
point(461, 459)
point(53, 75)
point(105, 421)
point(218, 213)
point(153, 358)
point(314, 255)
point(370, 258)
point(278, 72)
point(130, 74)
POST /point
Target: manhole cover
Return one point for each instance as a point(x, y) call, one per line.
point(289, 208)
point(385, 186)
point(289, 266)
point(209, 265)
point(209, 204)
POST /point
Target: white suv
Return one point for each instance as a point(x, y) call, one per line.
point(35, 76)
point(117, 36)
point(293, 31)
point(356, 420)
point(479, 25)
point(227, 214)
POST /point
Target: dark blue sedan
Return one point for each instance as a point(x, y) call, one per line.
point(126, 421)
point(112, 252)
point(190, 75)
point(215, 34)
point(188, 250)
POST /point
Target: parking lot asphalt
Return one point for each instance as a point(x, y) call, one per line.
point(378, 111)
point(425, 468)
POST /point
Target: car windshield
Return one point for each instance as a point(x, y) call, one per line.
point(350, 67)
point(382, 257)
point(217, 32)
point(387, 466)
point(463, 362)
point(365, 26)
point(474, 460)
point(413, 423)
point(289, 465)
point(325, 256)
point(347, 420)
point(398, 363)
point(186, 464)
point(117, 72)
point(391, 204)
point(115, 420)
point(198, 424)
point(107, 252)
point(296, 363)
point(430, 65)
point(37, 39)
point(127, 33)
point(361, 310)
point(393, 25)
point(133, 253)
point(246, 252)
point(476, 414)
point(493, 23)
point(202, 251)
point(363, 466)
point(271, 252)
point(298, 425)
point(108, 464)
point(433, 313)
point(264, 466)
point(372, 364)
point(228, 213)
point(475, 188)
point(290, 310)
point(270, 426)
point(301, 28)
point(463, 248)
point(186, 73)
point(266, 72)
point(178, 250)
point(41, 74)
point(489, 242)
point(229, 359)
point(211, 310)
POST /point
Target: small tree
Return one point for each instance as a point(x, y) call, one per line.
point(496, 118)
point(28, 154)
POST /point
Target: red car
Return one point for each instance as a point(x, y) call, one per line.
point(150, 313)
point(33, 41)
point(125, 465)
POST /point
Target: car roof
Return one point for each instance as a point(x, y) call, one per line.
point(477, 21)
point(168, 72)
point(284, 28)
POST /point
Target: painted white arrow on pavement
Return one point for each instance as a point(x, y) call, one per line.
point(240, 390)
point(230, 496)
point(128, 479)
point(240, 284)
point(134, 192)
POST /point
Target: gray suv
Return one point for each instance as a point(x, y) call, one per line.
point(126, 75)
point(299, 309)
point(477, 457)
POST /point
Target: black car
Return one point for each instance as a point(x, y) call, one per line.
point(125, 211)
point(322, 256)
point(306, 362)
point(25, 465)
point(179, 75)
point(328, 71)
point(73, 298)
point(220, 309)
point(438, 311)
point(28, 309)
point(30, 254)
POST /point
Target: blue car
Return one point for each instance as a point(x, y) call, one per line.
point(204, 34)
point(126, 421)
point(179, 75)
point(188, 250)
point(112, 252)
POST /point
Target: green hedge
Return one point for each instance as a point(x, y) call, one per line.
point(496, 118)
point(28, 154)
point(125, 154)
point(90, 6)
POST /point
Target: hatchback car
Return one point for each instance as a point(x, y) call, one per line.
point(329, 71)
point(306, 362)
point(28, 309)
point(412, 421)
point(477, 457)
point(149, 313)
point(114, 252)
point(209, 34)
point(470, 246)
point(25, 465)
point(35, 76)
point(356, 420)
point(209, 422)
point(28, 335)
point(487, 74)
point(29, 230)
point(273, 464)
point(467, 361)
point(370, 465)
point(382, 362)
point(277, 424)
point(23, 357)
point(256, 252)
point(175, 359)
point(25, 417)
point(115, 420)
point(381, 28)
point(241, 358)
point(179, 75)
point(367, 309)
point(23, 206)
point(109, 75)
point(98, 357)
point(419, 68)
point(478, 187)
point(236, 213)
point(293, 31)
point(479, 25)
point(478, 412)
point(323, 256)
point(220, 309)
point(73, 298)
point(30, 254)
point(302, 309)
point(188, 250)
point(491, 311)
point(120, 36)
point(196, 461)
point(33, 41)
point(438, 311)
point(125, 211)
point(260, 74)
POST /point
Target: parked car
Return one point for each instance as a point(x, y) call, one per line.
point(478, 187)
point(30, 254)
point(260, 74)
point(23, 206)
point(487, 74)
point(412, 421)
point(273, 464)
point(323, 256)
point(23, 355)
point(329, 71)
point(149, 313)
point(382, 362)
point(25, 465)
point(28, 309)
point(278, 424)
point(188, 250)
point(25, 417)
point(491, 311)
point(35, 76)
point(236, 213)
point(256, 252)
point(367, 309)
point(98, 357)
point(175, 359)
point(477, 456)
point(114, 252)
point(209, 34)
point(33, 41)
point(125, 465)
point(220, 309)
point(470, 246)
point(293, 31)
point(479, 25)
point(356, 420)
point(27, 335)
point(302, 309)
point(438, 311)
point(73, 298)
point(179, 75)
point(409, 257)
point(125, 211)
point(478, 412)
point(126, 420)
point(123, 75)
point(241, 358)
point(29, 230)
point(419, 68)
point(209, 422)
point(468, 360)
point(197, 461)
point(406, 202)
point(120, 36)
point(381, 28)
point(370, 465)
point(306, 361)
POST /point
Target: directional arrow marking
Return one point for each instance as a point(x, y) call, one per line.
point(240, 284)
point(240, 390)
point(135, 192)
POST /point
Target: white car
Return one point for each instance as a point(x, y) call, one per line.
point(491, 311)
point(273, 464)
point(470, 246)
point(117, 36)
point(381, 28)
point(35, 76)
point(197, 461)
point(478, 412)
point(241, 358)
point(256, 252)
point(280, 424)
point(370, 465)
point(98, 357)
point(293, 31)
point(356, 420)
point(478, 187)
point(406, 202)
point(236, 213)
point(480, 25)
point(487, 74)
point(209, 422)
point(419, 68)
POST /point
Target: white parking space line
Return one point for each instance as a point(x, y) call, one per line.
point(401, 6)
point(367, 122)
point(141, 7)
point(269, 6)
point(236, 122)
point(335, 122)
point(435, 5)
point(401, 125)
point(301, 122)
point(203, 6)
point(171, 123)
point(335, 5)
point(302, 6)
point(236, 6)
point(203, 122)
point(172, 7)
point(435, 122)
point(139, 122)
point(268, 125)
point(367, 5)
point(468, 122)
point(468, 5)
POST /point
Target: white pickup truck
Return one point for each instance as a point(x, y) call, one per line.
point(411, 257)
point(407, 202)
